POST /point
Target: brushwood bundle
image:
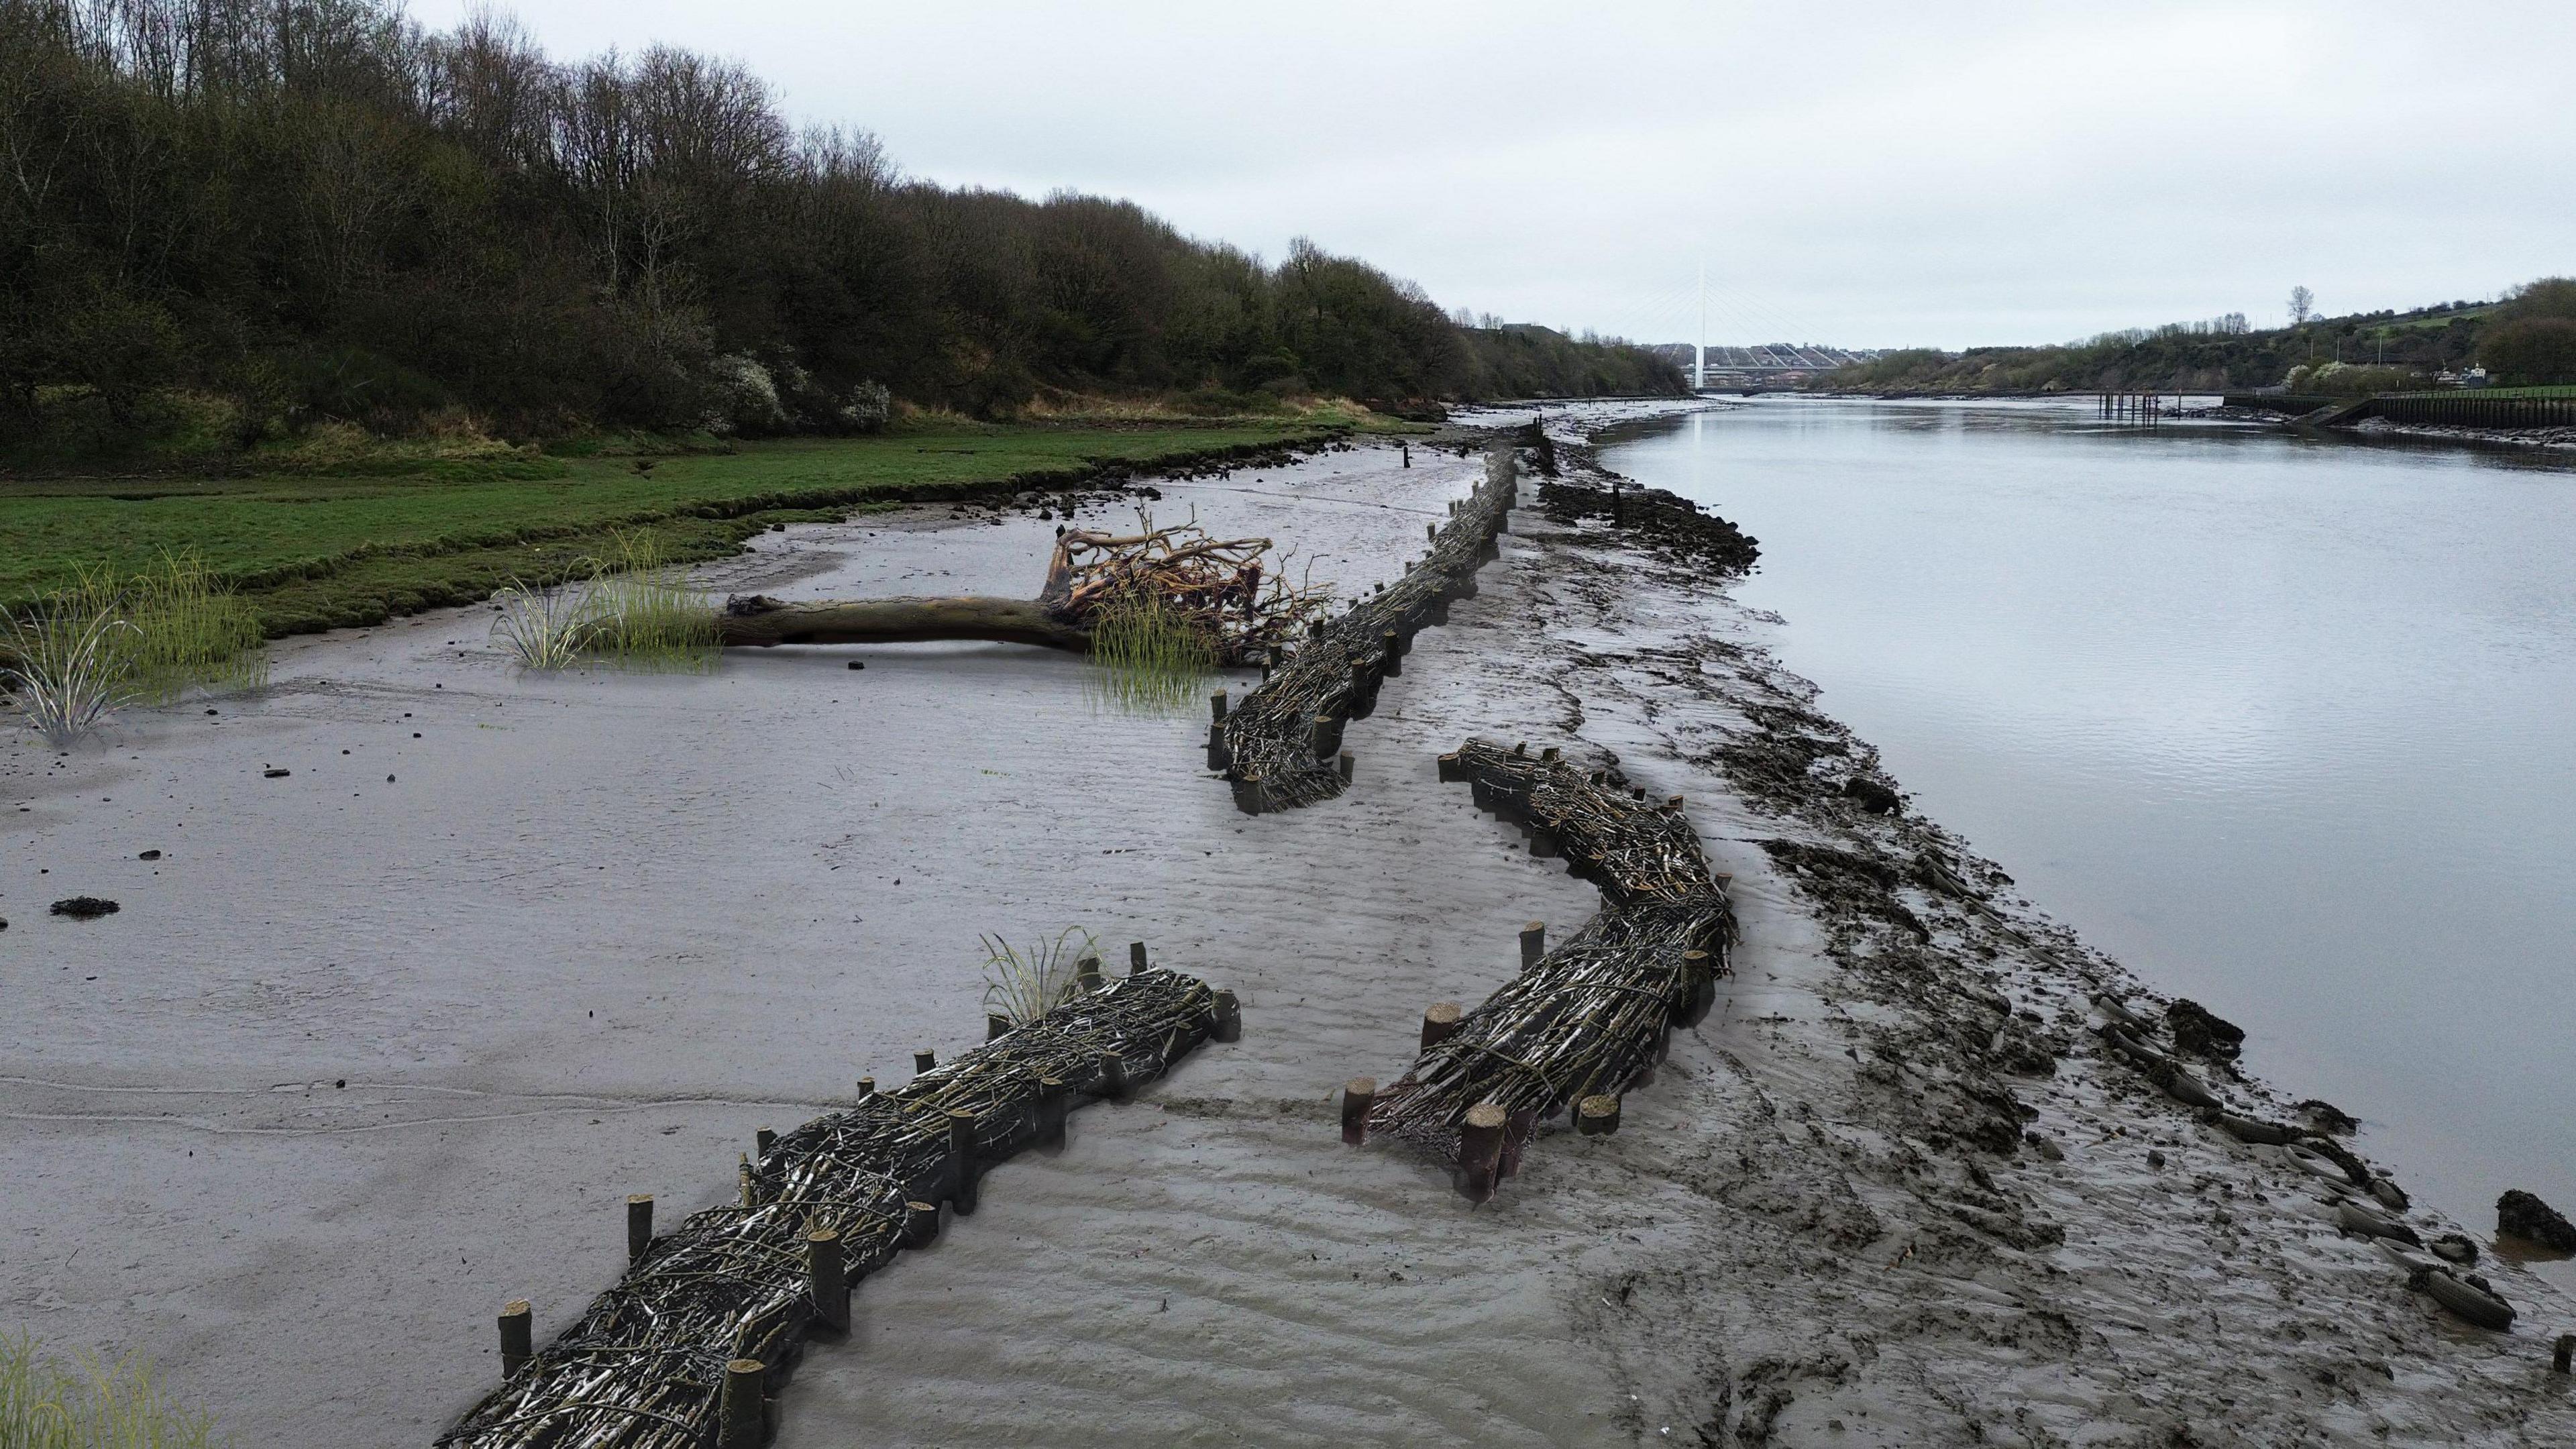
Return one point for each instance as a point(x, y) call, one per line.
point(1592, 1017)
point(1279, 746)
point(646, 1367)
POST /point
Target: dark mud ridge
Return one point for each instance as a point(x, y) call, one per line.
point(1666, 524)
point(690, 1347)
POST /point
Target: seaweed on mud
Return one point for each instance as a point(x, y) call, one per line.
point(1774, 763)
point(1845, 881)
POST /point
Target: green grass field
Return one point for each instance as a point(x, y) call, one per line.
point(316, 552)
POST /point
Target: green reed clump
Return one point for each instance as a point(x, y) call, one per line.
point(1153, 653)
point(633, 611)
point(90, 1404)
point(190, 630)
point(81, 652)
point(1026, 984)
point(646, 614)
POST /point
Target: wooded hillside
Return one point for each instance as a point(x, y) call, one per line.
point(244, 215)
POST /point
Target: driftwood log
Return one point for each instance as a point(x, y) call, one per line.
point(761, 621)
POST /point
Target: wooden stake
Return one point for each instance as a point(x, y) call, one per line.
point(963, 1169)
point(1229, 1017)
point(2559, 1360)
point(920, 1224)
point(762, 1139)
point(995, 1026)
point(1516, 1135)
point(1449, 771)
point(1086, 973)
point(1480, 1150)
point(518, 1336)
point(1216, 707)
point(639, 1226)
point(1533, 943)
point(1113, 1076)
point(1358, 1095)
point(825, 1286)
point(923, 1060)
point(1598, 1116)
point(867, 1088)
point(748, 1188)
point(1438, 1022)
point(742, 1419)
point(1348, 763)
point(1053, 1108)
point(1136, 958)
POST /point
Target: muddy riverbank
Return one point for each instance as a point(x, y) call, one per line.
point(368, 1056)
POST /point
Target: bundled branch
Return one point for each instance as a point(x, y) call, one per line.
point(1279, 746)
point(1222, 590)
point(1586, 1022)
point(647, 1366)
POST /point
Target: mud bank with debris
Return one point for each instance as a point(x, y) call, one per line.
point(385, 1043)
point(1936, 1205)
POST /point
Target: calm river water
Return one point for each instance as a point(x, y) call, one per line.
point(2287, 724)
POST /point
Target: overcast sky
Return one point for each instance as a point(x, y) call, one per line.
point(1863, 174)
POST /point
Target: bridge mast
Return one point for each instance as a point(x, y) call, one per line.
point(1699, 347)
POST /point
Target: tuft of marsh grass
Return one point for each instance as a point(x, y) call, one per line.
point(541, 628)
point(632, 612)
point(1025, 985)
point(65, 668)
point(645, 614)
point(83, 651)
point(89, 1404)
point(1154, 655)
point(190, 630)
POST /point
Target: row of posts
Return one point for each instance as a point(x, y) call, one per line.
point(742, 1409)
point(2134, 406)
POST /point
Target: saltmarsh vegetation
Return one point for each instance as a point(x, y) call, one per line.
point(1152, 653)
point(80, 652)
point(1022, 984)
point(46, 1403)
point(634, 610)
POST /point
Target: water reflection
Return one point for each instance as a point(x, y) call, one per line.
point(2285, 722)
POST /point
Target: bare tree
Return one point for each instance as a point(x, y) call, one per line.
point(2303, 305)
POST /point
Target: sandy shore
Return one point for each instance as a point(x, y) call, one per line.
point(597, 929)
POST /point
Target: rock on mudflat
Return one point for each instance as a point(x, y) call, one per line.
point(2202, 1033)
point(1872, 796)
point(2521, 1214)
point(90, 908)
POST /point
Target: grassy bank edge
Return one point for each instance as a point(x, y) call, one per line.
point(369, 584)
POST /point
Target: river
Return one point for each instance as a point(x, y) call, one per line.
point(2286, 723)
